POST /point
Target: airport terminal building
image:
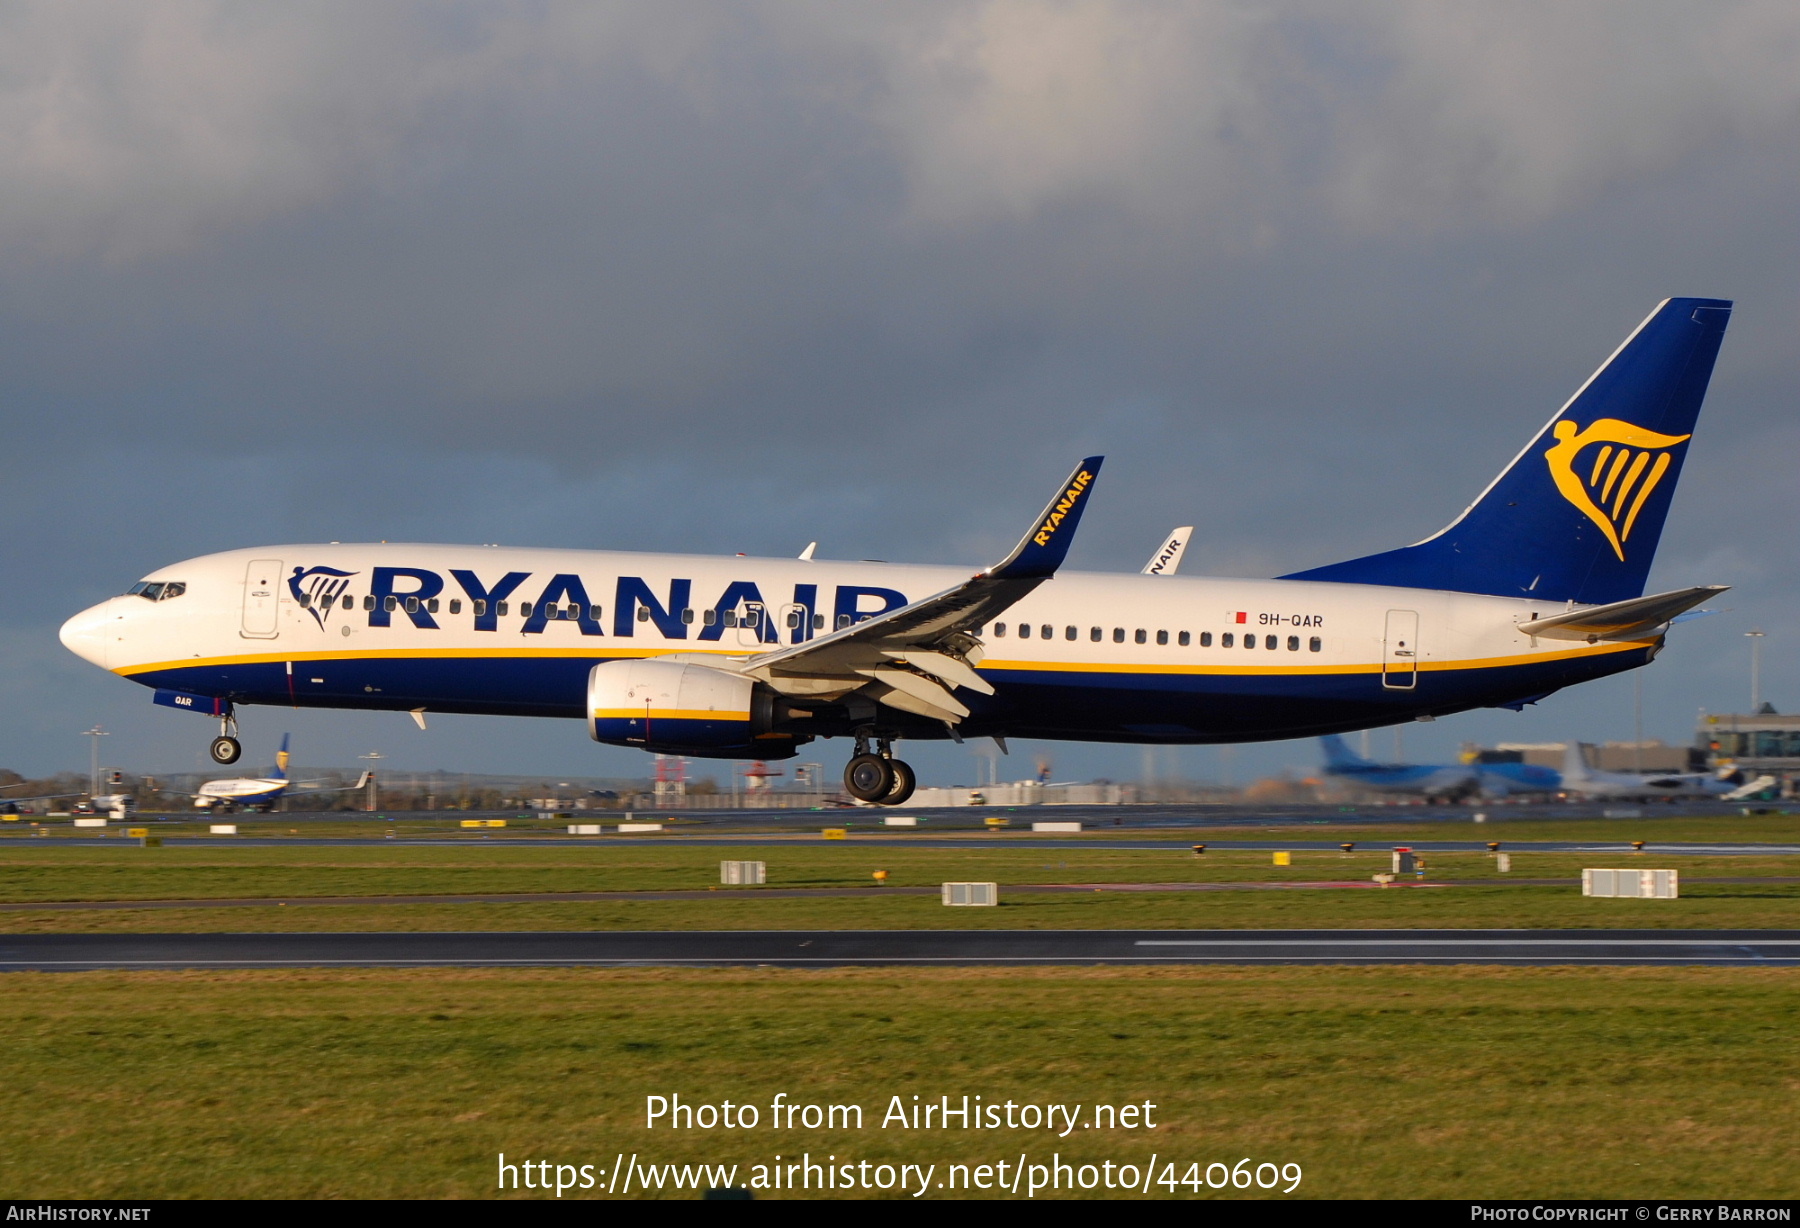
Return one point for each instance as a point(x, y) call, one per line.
point(1759, 743)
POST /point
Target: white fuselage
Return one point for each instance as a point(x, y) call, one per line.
point(1114, 657)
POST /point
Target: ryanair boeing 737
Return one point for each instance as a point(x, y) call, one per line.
point(1538, 585)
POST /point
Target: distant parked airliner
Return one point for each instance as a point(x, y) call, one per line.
point(1538, 585)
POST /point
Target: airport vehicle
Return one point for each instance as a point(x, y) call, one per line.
point(262, 792)
point(1449, 781)
point(1580, 780)
point(1538, 585)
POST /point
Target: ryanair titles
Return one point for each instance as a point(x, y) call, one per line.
point(662, 607)
point(1061, 509)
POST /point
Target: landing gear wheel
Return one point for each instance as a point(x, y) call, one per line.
point(904, 783)
point(226, 749)
point(869, 778)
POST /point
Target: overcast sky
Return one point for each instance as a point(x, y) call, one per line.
point(735, 277)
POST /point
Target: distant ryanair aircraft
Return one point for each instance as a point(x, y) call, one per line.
point(1538, 585)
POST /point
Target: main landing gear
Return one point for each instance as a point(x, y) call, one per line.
point(226, 748)
point(877, 776)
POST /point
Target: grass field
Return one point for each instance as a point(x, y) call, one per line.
point(1419, 1082)
point(1479, 896)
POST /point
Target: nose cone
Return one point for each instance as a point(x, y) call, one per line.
point(90, 633)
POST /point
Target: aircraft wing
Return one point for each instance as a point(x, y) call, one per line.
point(1168, 555)
point(912, 658)
point(1622, 620)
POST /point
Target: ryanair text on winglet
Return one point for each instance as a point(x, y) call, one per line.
point(1064, 505)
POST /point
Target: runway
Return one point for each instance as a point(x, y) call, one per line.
point(817, 949)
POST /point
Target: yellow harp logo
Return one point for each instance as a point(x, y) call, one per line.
point(1613, 487)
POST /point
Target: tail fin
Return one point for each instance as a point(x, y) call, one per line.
point(1575, 766)
point(1338, 754)
point(281, 759)
point(1577, 515)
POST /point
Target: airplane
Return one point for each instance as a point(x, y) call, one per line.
point(1592, 784)
point(261, 792)
point(1168, 555)
point(1536, 586)
point(1449, 780)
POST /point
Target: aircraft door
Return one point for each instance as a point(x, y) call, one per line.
point(262, 589)
point(1400, 651)
point(795, 624)
point(750, 625)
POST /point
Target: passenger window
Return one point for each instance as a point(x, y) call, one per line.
point(1069, 633)
point(1024, 631)
point(793, 620)
point(1046, 632)
point(1095, 634)
point(1227, 640)
point(305, 600)
point(1000, 631)
point(369, 602)
point(1118, 635)
point(752, 618)
point(1140, 636)
point(1316, 644)
point(456, 605)
point(431, 607)
point(390, 604)
point(643, 613)
point(412, 605)
point(349, 602)
point(594, 612)
point(709, 617)
point(500, 609)
point(1162, 637)
point(687, 615)
point(729, 618)
point(1293, 643)
point(1185, 639)
point(524, 609)
point(1271, 641)
point(479, 606)
point(1206, 640)
point(843, 621)
point(818, 622)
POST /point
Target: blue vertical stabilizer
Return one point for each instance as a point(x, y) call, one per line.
point(1577, 515)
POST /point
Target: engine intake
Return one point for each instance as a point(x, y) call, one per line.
point(674, 707)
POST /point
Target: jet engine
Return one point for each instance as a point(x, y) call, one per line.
point(673, 707)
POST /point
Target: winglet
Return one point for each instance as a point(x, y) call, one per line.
point(1042, 550)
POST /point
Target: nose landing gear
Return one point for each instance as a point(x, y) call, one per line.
point(878, 777)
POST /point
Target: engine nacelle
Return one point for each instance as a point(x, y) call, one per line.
point(673, 707)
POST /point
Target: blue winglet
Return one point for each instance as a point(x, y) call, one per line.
point(1042, 550)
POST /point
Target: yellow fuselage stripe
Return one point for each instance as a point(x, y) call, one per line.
point(667, 714)
point(1082, 667)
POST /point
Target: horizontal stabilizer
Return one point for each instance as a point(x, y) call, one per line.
point(1622, 620)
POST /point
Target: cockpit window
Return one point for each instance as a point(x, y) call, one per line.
point(156, 590)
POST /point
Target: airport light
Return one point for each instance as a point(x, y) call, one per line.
point(1756, 639)
point(95, 733)
point(373, 757)
point(1199, 849)
point(1348, 846)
